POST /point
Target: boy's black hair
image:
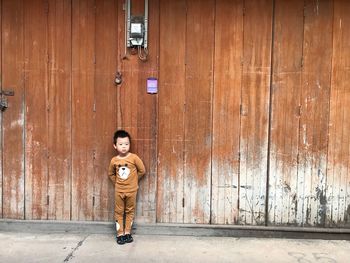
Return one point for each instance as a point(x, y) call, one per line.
point(120, 134)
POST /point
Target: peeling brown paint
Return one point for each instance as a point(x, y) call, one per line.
point(217, 138)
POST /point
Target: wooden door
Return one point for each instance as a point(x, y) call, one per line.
point(185, 108)
point(249, 126)
point(12, 78)
point(94, 64)
point(213, 111)
point(300, 113)
point(60, 61)
point(60, 58)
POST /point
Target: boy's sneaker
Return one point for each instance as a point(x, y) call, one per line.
point(120, 240)
point(128, 238)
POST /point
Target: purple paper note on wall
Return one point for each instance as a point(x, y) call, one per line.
point(152, 85)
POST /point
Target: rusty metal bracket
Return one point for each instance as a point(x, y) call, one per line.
point(7, 92)
point(3, 99)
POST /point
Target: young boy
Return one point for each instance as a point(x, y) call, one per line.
point(124, 170)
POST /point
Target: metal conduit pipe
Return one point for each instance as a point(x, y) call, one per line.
point(146, 25)
point(127, 22)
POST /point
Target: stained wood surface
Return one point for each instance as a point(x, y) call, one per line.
point(316, 76)
point(338, 179)
point(146, 140)
point(12, 77)
point(1, 122)
point(36, 108)
point(105, 112)
point(171, 114)
point(250, 125)
point(255, 110)
point(59, 109)
point(137, 110)
point(198, 110)
point(226, 111)
point(285, 112)
point(83, 108)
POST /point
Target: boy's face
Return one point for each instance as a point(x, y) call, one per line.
point(122, 145)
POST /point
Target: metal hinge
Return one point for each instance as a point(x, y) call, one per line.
point(47, 200)
point(183, 202)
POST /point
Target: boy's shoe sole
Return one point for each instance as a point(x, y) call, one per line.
point(128, 238)
point(120, 240)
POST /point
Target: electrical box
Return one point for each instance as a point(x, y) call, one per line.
point(137, 31)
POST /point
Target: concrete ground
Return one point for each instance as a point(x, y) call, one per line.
point(101, 247)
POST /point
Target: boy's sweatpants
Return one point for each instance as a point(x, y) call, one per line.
point(124, 202)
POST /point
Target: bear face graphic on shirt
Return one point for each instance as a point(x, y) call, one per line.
point(123, 171)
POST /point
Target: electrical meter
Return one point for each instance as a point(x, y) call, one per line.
point(137, 31)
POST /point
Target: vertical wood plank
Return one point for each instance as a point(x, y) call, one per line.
point(36, 94)
point(255, 110)
point(137, 110)
point(12, 78)
point(128, 93)
point(338, 179)
point(59, 128)
point(198, 110)
point(83, 105)
point(148, 121)
point(314, 112)
point(105, 110)
point(286, 89)
point(226, 110)
point(1, 120)
point(171, 111)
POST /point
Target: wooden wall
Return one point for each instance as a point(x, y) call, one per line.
point(250, 125)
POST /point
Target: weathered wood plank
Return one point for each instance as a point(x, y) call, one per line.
point(255, 110)
point(12, 78)
point(105, 111)
point(286, 89)
point(1, 120)
point(314, 118)
point(83, 106)
point(226, 110)
point(148, 121)
point(36, 94)
point(198, 110)
point(59, 119)
point(128, 100)
point(171, 111)
point(338, 179)
point(137, 110)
